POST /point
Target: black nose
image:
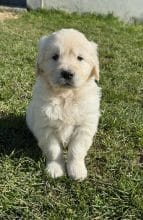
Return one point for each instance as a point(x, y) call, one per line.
point(67, 75)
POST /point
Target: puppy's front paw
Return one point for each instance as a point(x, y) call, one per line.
point(77, 170)
point(55, 169)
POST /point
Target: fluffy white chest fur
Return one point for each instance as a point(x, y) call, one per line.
point(63, 113)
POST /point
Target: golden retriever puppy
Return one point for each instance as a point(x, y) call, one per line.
point(64, 110)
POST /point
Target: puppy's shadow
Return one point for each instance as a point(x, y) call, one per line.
point(16, 138)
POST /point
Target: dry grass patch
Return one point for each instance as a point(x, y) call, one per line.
point(7, 15)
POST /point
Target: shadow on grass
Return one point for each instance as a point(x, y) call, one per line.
point(16, 138)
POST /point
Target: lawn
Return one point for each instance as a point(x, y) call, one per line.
point(114, 187)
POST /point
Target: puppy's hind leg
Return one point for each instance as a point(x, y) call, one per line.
point(55, 166)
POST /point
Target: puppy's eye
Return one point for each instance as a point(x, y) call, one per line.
point(80, 58)
point(55, 57)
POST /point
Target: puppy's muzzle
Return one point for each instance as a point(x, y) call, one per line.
point(67, 75)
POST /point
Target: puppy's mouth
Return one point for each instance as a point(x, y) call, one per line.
point(68, 84)
point(61, 83)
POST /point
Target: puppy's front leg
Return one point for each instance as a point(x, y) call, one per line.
point(78, 147)
point(55, 166)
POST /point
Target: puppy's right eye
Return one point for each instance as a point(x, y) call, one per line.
point(80, 58)
point(55, 57)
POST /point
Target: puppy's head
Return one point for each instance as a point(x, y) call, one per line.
point(67, 59)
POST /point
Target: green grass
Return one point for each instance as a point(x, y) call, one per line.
point(114, 187)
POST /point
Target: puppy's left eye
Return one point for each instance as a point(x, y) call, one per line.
point(80, 58)
point(55, 57)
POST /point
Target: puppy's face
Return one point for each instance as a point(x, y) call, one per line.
point(67, 59)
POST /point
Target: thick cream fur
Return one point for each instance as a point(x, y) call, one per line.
point(59, 116)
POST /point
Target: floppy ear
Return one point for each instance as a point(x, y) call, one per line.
point(95, 61)
point(41, 48)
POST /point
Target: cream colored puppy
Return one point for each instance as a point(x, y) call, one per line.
point(64, 110)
